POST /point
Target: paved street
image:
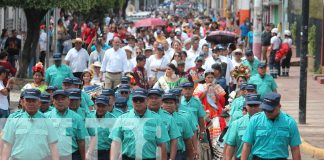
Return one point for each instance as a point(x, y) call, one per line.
point(313, 131)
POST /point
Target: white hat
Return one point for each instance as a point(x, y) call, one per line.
point(97, 64)
point(187, 41)
point(128, 48)
point(287, 33)
point(274, 30)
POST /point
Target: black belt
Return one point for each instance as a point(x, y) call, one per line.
point(258, 158)
point(124, 157)
point(114, 72)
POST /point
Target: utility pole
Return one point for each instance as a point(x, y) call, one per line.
point(303, 64)
point(257, 28)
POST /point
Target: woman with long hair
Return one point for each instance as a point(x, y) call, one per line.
point(38, 79)
point(170, 79)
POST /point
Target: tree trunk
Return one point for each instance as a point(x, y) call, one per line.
point(34, 18)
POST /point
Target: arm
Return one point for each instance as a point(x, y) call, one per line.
point(189, 148)
point(93, 143)
point(274, 90)
point(163, 152)
point(229, 152)
point(295, 152)
point(195, 145)
point(246, 151)
point(202, 126)
point(67, 62)
point(81, 145)
point(173, 148)
point(4, 91)
point(6, 150)
point(115, 150)
point(54, 152)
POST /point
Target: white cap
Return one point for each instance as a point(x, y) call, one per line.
point(287, 33)
point(274, 30)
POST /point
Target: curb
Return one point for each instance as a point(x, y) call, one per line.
point(311, 150)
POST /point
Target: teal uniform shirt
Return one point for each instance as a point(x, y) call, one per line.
point(270, 138)
point(236, 109)
point(185, 130)
point(146, 131)
point(103, 126)
point(54, 75)
point(70, 129)
point(188, 116)
point(236, 132)
point(85, 114)
point(264, 85)
point(86, 101)
point(169, 123)
point(252, 66)
point(193, 105)
point(117, 112)
point(48, 110)
point(30, 136)
point(14, 114)
point(130, 102)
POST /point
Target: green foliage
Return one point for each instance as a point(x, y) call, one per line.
point(312, 40)
point(293, 29)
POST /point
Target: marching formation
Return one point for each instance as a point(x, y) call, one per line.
point(189, 89)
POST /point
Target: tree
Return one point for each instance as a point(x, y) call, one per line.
point(35, 10)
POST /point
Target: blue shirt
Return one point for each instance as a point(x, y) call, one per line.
point(270, 138)
point(264, 84)
point(244, 30)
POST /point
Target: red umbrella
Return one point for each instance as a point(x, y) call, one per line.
point(221, 37)
point(149, 22)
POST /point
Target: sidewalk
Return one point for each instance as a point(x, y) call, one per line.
point(313, 131)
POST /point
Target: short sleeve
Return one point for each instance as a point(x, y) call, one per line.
point(68, 56)
point(163, 137)
point(52, 134)
point(81, 130)
point(201, 111)
point(295, 136)
point(249, 133)
point(232, 134)
point(9, 131)
point(174, 131)
point(188, 131)
point(116, 131)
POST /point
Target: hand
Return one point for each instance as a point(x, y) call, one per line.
point(88, 156)
point(11, 82)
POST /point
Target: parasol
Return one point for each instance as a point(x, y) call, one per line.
point(221, 37)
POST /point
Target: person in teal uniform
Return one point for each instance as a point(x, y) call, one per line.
point(45, 99)
point(86, 102)
point(237, 113)
point(29, 135)
point(110, 93)
point(124, 90)
point(265, 83)
point(251, 62)
point(86, 99)
point(120, 106)
point(50, 90)
point(238, 127)
point(154, 104)
point(55, 74)
point(103, 122)
point(140, 132)
point(270, 133)
point(185, 140)
point(193, 105)
point(69, 127)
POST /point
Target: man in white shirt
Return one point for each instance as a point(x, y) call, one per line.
point(168, 51)
point(97, 55)
point(114, 64)
point(193, 53)
point(131, 45)
point(42, 44)
point(274, 47)
point(77, 58)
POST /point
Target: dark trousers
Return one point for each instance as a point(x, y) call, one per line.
point(258, 158)
point(75, 156)
point(273, 65)
point(181, 155)
point(286, 61)
point(124, 157)
point(77, 74)
point(103, 154)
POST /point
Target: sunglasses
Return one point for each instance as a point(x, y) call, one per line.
point(138, 100)
point(138, 52)
point(124, 92)
point(267, 111)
